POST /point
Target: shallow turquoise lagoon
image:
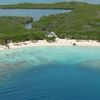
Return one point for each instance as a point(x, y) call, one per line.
point(50, 73)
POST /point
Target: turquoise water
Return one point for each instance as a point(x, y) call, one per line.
point(45, 1)
point(50, 73)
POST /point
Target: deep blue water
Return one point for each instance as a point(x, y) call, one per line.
point(45, 1)
point(50, 73)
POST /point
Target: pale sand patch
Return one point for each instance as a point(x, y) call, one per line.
point(58, 42)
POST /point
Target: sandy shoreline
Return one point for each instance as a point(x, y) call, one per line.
point(58, 42)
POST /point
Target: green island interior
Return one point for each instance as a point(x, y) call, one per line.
point(83, 22)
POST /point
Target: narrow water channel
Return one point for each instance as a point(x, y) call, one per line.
point(28, 25)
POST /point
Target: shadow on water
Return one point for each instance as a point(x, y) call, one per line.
point(90, 64)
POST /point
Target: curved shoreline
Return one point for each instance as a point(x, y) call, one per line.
point(58, 42)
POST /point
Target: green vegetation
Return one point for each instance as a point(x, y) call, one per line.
point(13, 28)
point(82, 23)
point(61, 5)
point(50, 39)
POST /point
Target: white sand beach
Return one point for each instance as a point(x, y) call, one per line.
point(58, 42)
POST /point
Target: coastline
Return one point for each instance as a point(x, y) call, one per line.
point(58, 42)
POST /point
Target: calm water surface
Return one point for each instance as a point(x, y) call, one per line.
point(35, 13)
point(50, 73)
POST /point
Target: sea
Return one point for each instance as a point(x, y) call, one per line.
point(50, 73)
